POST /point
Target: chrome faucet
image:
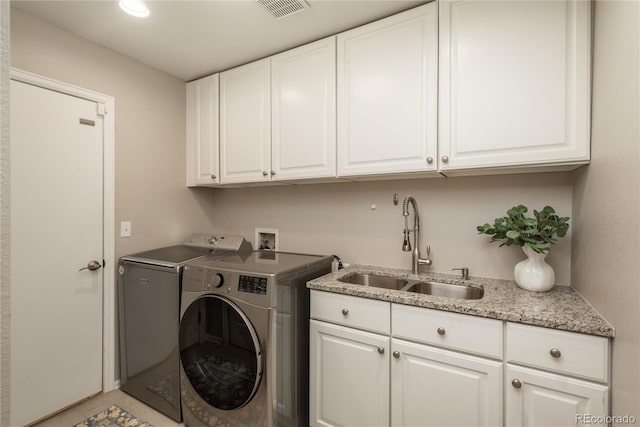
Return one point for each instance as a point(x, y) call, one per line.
point(406, 244)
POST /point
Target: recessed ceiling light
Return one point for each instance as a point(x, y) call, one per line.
point(135, 8)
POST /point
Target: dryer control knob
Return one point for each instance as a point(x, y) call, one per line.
point(218, 280)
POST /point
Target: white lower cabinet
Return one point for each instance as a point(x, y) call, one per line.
point(349, 376)
point(362, 378)
point(537, 398)
point(375, 363)
point(436, 387)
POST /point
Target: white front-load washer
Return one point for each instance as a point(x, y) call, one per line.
point(244, 340)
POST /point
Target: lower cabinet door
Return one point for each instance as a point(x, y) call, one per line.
point(536, 398)
point(349, 377)
point(435, 387)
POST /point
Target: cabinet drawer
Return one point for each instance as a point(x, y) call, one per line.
point(566, 352)
point(356, 312)
point(456, 331)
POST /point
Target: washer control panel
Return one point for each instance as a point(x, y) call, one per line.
point(252, 285)
point(214, 280)
point(245, 286)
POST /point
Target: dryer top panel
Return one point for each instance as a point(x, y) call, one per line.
point(263, 262)
point(198, 245)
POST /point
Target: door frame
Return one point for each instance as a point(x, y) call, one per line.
point(108, 212)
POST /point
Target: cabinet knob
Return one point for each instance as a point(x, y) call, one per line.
point(273, 172)
point(213, 176)
point(441, 331)
point(445, 159)
point(429, 160)
point(516, 383)
point(264, 173)
point(381, 350)
point(554, 352)
point(396, 354)
point(345, 311)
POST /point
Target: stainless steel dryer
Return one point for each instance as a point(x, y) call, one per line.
point(244, 340)
point(149, 303)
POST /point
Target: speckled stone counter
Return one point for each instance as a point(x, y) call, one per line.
point(561, 308)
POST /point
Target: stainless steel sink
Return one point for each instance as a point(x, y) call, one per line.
point(445, 290)
point(375, 281)
point(429, 287)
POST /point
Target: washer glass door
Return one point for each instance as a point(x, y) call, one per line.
point(220, 352)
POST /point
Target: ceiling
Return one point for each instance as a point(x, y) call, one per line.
point(192, 39)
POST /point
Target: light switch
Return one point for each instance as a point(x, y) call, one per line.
point(125, 229)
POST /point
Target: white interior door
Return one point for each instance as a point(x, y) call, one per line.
point(56, 229)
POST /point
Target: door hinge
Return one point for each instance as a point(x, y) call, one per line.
point(101, 109)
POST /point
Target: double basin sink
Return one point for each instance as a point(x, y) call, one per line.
point(415, 286)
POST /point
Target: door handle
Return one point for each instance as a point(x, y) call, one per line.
point(92, 265)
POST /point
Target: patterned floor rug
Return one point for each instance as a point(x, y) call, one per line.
point(114, 416)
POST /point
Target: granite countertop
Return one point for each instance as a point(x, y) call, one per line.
point(561, 308)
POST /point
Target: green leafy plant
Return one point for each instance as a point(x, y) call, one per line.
point(516, 229)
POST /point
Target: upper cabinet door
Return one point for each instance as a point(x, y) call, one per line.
point(387, 95)
point(245, 123)
point(303, 108)
point(202, 131)
point(514, 83)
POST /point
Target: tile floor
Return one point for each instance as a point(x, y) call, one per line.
point(88, 408)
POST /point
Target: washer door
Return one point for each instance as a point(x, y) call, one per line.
point(220, 352)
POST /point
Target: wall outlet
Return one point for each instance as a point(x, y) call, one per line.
point(125, 229)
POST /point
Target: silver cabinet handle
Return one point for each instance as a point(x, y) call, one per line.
point(213, 176)
point(93, 265)
point(445, 159)
point(396, 354)
point(441, 331)
point(516, 383)
point(554, 352)
point(381, 350)
point(264, 173)
point(345, 311)
point(429, 160)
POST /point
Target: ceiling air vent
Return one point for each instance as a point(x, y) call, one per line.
point(283, 8)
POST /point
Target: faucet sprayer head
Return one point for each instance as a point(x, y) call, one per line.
point(406, 244)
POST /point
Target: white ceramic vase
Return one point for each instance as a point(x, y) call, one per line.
point(534, 274)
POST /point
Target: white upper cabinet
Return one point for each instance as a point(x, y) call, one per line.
point(452, 86)
point(303, 111)
point(514, 83)
point(245, 123)
point(387, 95)
point(202, 131)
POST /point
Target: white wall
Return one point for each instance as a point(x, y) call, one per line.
point(338, 219)
point(606, 210)
point(4, 213)
point(150, 129)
